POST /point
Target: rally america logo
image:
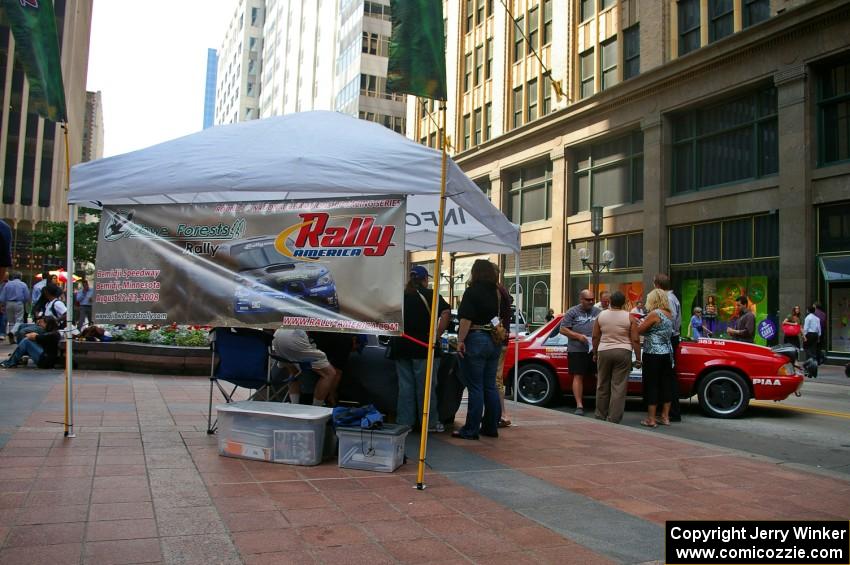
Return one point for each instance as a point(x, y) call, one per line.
point(313, 238)
point(30, 3)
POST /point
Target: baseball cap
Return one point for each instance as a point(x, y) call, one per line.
point(418, 272)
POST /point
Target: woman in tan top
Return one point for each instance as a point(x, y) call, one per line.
point(615, 337)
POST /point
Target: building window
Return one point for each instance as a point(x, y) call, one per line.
point(547, 22)
point(480, 12)
point(479, 64)
point(720, 17)
point(608, 173)
point(834, 113)
point(485, 185)
point(531, 98)
point(488, 121)
point(467, 72)
point(519, 39)
point(609, 63)
point(547, 94)
point(477, 123)
point(533, 29)
point(517, 99)
point(469, 16)
point(834, 228)
point(627, 248)
point(530, 194)
point(489, 66)
point(467, 130)
point(755, 11)
point(631, 52)
point(586, 77)
point(608, 3)
point(737, 239)
point(689, 23)
point(728, 142)
point(587, 9)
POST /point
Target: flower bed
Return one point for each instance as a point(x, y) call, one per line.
point(173, 350)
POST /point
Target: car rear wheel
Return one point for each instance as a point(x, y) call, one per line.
point(723, 394)
point(536, 384)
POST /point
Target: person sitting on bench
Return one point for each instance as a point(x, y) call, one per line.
point(43, 348)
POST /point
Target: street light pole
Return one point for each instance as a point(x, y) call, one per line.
point(596, 228)
point(598, 263)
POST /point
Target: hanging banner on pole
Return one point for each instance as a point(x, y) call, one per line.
point(332, 265)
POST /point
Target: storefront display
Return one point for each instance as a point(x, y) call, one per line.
point(839, 319)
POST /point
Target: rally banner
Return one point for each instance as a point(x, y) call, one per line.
point(332, 265)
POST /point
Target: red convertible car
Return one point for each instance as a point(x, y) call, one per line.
point(724, 374)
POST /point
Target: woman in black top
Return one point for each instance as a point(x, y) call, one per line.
point(41, 348)
point(479, 354)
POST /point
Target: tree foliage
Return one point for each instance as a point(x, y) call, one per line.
point(52, 241)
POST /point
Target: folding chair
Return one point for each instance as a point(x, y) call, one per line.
point(243, 358)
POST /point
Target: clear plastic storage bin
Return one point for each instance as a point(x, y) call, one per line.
point(273, 431)
point(372, 450)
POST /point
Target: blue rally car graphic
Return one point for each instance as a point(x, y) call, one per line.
point(266, 278)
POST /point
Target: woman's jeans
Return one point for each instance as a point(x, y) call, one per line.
point(478, 367)
point(411, 391)
point(26, 347)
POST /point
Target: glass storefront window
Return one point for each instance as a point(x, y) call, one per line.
point(721, 285)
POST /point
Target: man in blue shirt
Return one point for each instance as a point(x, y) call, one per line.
point(83, 298)
point(12, 298)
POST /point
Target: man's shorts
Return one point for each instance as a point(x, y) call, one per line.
point(581, 363)
point(295, 346)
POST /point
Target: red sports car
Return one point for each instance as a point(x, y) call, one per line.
point(724, 374)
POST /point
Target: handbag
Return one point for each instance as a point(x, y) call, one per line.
point(790, 330)
point(498, 333)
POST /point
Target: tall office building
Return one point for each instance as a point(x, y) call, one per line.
point(209, 88)
point(237, 96)
point(93, 129)
point(360, 79)
point(32, 167)
point(298, 56)
point(713, 134)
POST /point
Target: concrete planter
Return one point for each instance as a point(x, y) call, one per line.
point(142, 357)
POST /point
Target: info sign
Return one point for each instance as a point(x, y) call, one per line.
point(333, 265)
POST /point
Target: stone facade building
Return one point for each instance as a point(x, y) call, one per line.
point(715, 134)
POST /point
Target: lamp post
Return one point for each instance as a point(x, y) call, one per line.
point(452, 279)
point(596, 265)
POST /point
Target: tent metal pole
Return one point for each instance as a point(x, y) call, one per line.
point(69, 338)
point(516, 339)
point(429, 365)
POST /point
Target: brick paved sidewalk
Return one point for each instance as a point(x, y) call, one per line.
point(143, 483)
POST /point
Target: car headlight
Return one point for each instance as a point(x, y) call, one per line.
point(324, 280)
point(787, 370)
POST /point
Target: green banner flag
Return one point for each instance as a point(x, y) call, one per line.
point(33, 24)
point(417, 62)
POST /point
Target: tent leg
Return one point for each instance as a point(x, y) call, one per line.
point(69, 337)
point(516, 340)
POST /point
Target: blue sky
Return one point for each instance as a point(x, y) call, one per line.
point(149, 61)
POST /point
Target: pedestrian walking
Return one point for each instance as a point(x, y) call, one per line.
point(12, 298)
point(615, 338)
point(658, 377)
point(821, 314)
point(577, 325)
point(83, 299)
point(811, 333)
point(792, 327)
point(37, 302)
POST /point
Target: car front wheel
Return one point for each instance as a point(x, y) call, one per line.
point(723, 394)
point(536, 384)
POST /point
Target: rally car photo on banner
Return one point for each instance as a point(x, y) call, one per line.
point(725, 375)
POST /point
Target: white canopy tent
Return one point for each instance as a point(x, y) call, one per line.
point(300, 156)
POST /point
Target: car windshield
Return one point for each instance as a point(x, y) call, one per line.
point(257, 255)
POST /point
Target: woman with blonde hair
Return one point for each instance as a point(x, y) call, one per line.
point(658, 376)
